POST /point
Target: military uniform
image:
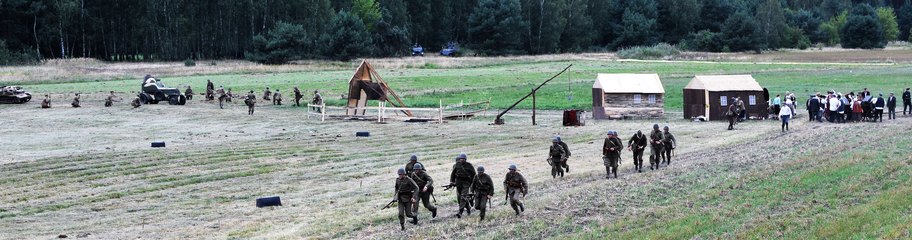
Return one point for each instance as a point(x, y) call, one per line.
point(516, 187)
point(557, 155)
point(406, 195)
point(657, 143)
point(462, 175)
point(188, 93)
point(221, 97)
point(250, 101)
point(567, 157)
point(611, 150)
point(317, 100)
point(210, 91)
point(76, 101)
point(731, 114)
point(109, 101)
point(670, 145)
point(46, 103)
point(422, 179)
point(267, 94)
point(297, 97)
point(638, 145)
point(277, 98)
point(410, 167)
point(483, 188)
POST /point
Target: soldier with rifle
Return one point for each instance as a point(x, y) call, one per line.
point(637, 144)
point(410, 166)
point(567, 150)
point(461, 177)
point(514, 185)
point(425, 189)
point(657, 143)
point(406, 195)
point(250, 101)
point(483, 189)
point(109, 101)
point(267, 95)
point(556, 157)
point(297, 97)
point(210, 90)
point(221, 97)
point(611, 152)
point(46, 103)
point(670, 144)
point(277, 97)
point(317, 99)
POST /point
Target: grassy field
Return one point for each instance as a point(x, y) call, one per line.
point(89, 172)
point(506, 83)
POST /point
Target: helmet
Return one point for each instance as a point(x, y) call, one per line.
point(462, 156)
point(401, 171)
point(480, 168)
point(558, 138)
point(655, 126)
point(512, 167)
point(418, 166)
point(413, 157)
point(555, 140)
point(666, 127)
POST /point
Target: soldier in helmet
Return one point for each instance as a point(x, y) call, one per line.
point(670, 144)
point(514, 185)
point(297, 97)
point(188, 93)
point(109, 101)
point(556, 156)
point(462, 175)
point(425, 189)
point(76, 101)
point(611, 151)
point(657, 143)
point(317, 99)
point(566, 150)
point(210, 90)
point(483, 188)
point(406, 194)
point(221, 96)
point(250, 101)
point(46, 103)
point(637, 144)
point(277, 97)
point(409, 167)
point(267, 94)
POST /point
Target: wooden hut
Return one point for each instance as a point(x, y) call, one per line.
point(710, 96)
point(621, 96)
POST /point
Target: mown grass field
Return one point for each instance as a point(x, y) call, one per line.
point(89, 172)
point(503, 84)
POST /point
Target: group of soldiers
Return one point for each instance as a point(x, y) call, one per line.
point(661, 145)
point(250, 99)
point(474, 189)
point(77, 102)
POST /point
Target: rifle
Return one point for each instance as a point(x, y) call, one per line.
point(550, 163)
point(388, 205)
point(448, 186)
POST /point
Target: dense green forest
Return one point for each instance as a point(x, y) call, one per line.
point(277, 31)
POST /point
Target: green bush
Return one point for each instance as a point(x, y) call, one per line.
point(346, 37)
point(862, 29)
point(189, 63)
point(703, 41)
point(8, 57)
point(279, 45)
point(658, 51)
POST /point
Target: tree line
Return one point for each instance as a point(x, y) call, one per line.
point(277, 31)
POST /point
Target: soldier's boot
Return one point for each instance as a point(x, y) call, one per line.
point(434, 213)
point(522, 208)
point(481, 214)
point(459, 215)
point(414, 220)
point(515, 209)
point(468, 211)
point(402, 223)
point(607, 172)
point(615, 171)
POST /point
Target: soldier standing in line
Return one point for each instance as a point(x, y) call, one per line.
point(410, 166)
point(297, 97)
point(267, 94)
point(483, 188)
point(277, 98)
point(76, 101)
point(425, 189)
point(611, 151)
point(46, 103)
point(670, 144)
point(188, 93)
point(637, 144)
point(556, 155)
point(317, 99)
point(514, 185)
point(250, 101)
point(566, 150)
point(406, 194)
point(657, 143)
point(462, 175)
point(221, 96)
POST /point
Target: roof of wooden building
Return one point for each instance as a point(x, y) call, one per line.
point(629, 83)
point(724, 83)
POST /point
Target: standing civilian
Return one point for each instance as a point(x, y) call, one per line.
point(891, 106)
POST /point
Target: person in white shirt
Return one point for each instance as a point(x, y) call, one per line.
point(785, 114)
point(834, 107)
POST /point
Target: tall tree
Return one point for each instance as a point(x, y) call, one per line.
point(578, 34)
point(862, 29)
point(741, 33)
point(368, 11)
point(771, 20)
point(677, 18)
point(346, 37)
point(638, 24)
point(904, 19)
point(496, 27)
point(887, 19)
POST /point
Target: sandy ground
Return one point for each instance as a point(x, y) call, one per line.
point(90, 171)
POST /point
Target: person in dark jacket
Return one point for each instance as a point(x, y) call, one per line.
point(891, 106)
point(907, 101)
point(879, 104)
point(813, 107)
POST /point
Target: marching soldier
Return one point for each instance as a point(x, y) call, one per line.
point(567, 150)
point(277, 98)
point(637, 144)
point(297, 97)
point(410, 166)
point(188, 93)
point(425, 189)
point(267, 94)
point(136, 103)
point(317, 99)
point(406, 194)
point(556, 156)
point(46, 103)
point(483, 188)
point(221, 97)
point(250, 101)
point(514, 185)
point(657, 143)
point(670, 144)
point(611, 151)
point(109, 101)
point(76, 101)
point(462, 175)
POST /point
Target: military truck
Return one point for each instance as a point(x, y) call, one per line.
point(153, 91)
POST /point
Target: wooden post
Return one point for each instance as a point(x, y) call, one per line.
point(533, 107)
point(380, 111)
point(440, 113)
point(323, 112)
